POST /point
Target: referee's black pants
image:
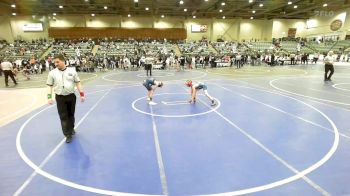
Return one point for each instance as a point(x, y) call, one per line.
point(8, 73)
point(66, 110)
point(328, 68)
point(148, 68)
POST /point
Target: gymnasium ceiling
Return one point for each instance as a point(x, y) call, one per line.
point(199, 8)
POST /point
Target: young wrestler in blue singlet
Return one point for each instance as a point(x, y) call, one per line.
point(151, 84)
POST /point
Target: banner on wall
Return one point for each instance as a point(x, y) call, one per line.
point(199, 28)
point(292, 32)
point(30, 27)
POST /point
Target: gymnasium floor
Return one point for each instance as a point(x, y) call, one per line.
point(275, 131)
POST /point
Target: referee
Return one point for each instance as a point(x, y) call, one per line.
point(148, 65)
point(63, 81)
point(328, 66)
point(7, 68)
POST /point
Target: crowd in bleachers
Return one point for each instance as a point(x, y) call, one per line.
point(227, 48)
point(26, 49)
point(131, 54)
point(77, 52)
point(194, 48)
point(25, 55)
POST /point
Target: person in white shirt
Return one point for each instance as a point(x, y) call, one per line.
point(328, 65)
point(316, 57)
point(142, 61)
point(127, 63)
point(7, 68)
point(239, 60)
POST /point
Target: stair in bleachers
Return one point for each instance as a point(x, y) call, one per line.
point(246, 45)
point(95, 49)
point(46, 53)
point(212, 49)
point(311, 47)
point(177, 50)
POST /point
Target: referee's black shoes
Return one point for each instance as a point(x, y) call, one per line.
point(69, 139)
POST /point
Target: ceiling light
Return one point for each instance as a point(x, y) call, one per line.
point(54, 14)
point(194, 16)
point(162, 16)
point(290, 3)
point(250, 1)
point(223, 3)
point(253, 11)
point(185, 10)
point(261, 5)
point(136, 1)
point(251, 18)
point(295, 6)
point(13, 14)
point(105, 7)
point(181, 2)
point(223, 17)
point(147, 8)
point(61, 6)
point(129, 15)
point(13, 5)
point(206, 0)
point(325, 5)
point(92, 14)
point(220, 10)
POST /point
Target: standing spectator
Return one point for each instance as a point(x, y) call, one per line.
point(7, 68)
point(304, 59)
point(253, 59)
point(258, 57)
point(32, 61)
point(316, 57)
point(238, 60)
point(0, 68)
point(272, 59)
point(328, 63)
point(63, 80)
point(292, 59)
point(26, 69)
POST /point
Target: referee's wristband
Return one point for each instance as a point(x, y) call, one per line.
point(82, 94)
point(49, 96)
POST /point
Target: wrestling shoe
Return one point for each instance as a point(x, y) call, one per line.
point(152, 103)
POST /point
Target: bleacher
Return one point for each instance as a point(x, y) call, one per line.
point(194, 49)
point(260, 46)
point(115, 49)
point(322, 47)
point(25, 50)
point(225, 48)
point(134, 48)
point(342, 45)
point(293, 47)
point(72, 49)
